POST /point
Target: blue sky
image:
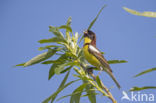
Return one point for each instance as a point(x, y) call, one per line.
point(119, 34)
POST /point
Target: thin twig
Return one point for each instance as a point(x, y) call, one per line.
point(90, 72)
point(109, 93)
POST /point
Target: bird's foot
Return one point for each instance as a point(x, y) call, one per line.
point(90, 72)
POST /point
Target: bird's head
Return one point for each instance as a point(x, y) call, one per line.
point(89, 37)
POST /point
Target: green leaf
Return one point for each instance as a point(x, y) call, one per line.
point(116, 61)
point(56, 69)
point(54, 95)
point(56, 32)
point(146, 71)
point(64, 97)
point(64, 80)
point(81, 37)
point(68, 28)
point(59, 64)
point(59, 68)
point(91, 93)
point(142, 88)
point(50, 62)
point(58, 61)
point(68, 24)
point(63, 58)
point(52, 71)
point(75, 98)
point(92, 23)
point(76, 37)
point(75, 94)
point(146, 13)
point(69, 21)
point(99, 82)
point(67, 69)
point(52, 40)
point(86, 95)
point(73, 63)
point(81, 54)
point(41, 57)
point(47, 47)
point(100, 86)
point(22, 64)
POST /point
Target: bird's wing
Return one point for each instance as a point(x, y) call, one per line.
point(94, 51)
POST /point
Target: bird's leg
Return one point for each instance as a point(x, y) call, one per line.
point(100, 71)
point(90, 72)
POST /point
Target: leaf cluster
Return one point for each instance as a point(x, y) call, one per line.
point(70, 57)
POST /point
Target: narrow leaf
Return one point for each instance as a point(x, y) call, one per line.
point(69, 21)
point(68, 68)
point(60, 68)
point(56, 31)
point(47, 47)
point(75, 98)
point(92, 23)
point(142, 88)
point(64, 97)
point(63, 58)
point(54, 95)
point(59, 64)
point(86, 95)
point(116, 61)
point(22, 64)
point(41, 57)
point(64, 80)
point(52, 71)
point(68, 38)
point(99, 82)
point(91, 93)
point(68, 28)
point(56, 69)
point(49, 62)
point(146, 13)
point(60, 87)
point(52, 40)
point(146, 71)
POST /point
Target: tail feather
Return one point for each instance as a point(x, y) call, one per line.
point(116, 82)
point(112, 76)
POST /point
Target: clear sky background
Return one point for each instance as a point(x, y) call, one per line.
point(119, 34)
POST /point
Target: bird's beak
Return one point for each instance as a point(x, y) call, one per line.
point(85, 33)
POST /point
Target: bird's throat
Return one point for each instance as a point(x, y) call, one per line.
point(87, 40)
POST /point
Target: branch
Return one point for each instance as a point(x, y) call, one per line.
point(110, 96)
point(90, 72)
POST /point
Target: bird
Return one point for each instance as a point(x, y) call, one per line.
point(94, 56)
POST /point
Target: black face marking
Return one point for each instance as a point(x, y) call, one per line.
point(91, 35)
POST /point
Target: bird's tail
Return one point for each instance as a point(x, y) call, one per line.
point(112, 76)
